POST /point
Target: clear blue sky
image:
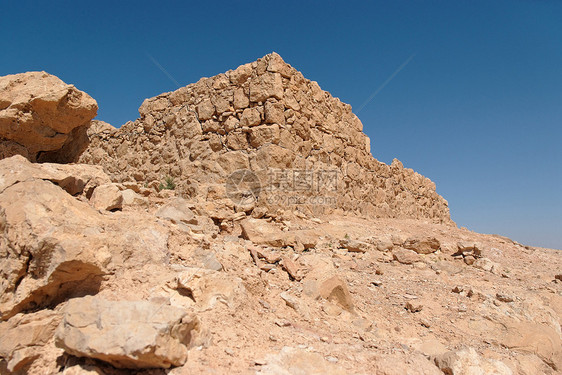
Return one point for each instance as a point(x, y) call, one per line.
point(478, 109)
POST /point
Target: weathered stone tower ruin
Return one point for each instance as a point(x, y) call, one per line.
point(301, 148)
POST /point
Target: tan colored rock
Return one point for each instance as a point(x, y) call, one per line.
point(298, 361)
point(534, 338)
point(211, 289)
point(250, 117)
point(263, 134)
point(384, 245)
point(467, 248)
point(240, 100)
point(274, 113)
point(130, 197)
point(354, 245)
point(231, 124)
point(335, 290)
point(24, 337)
point(241, 74)
point(404, 364)
point(75, 180)
point(237, 140)
point(41, 113)
point(468, 362)
point(422, 245)
point(205, 110)
point(277, 65)
point(488, 265)
point(82, 370)
point(232, 161)
point(266, 86)
point(107, 197)
point(55, 246)
point(261, 232)
point(405, 256)
point(141, 335)
point(49, 258)
point(177, 211)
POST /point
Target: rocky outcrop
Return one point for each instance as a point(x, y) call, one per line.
point(127, 334)
point(302, 148)
point(54, 246)
point(43, 118)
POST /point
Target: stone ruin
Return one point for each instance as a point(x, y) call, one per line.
point(297, 147)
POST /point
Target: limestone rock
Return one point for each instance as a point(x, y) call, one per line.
point(73, 179)
point(354, 245)
point(266, 86)
point(405, 364)
point(42, 113)
point(263, 134)
point(262, 232)
point(205, 110)
point(468, 362)
point(470, 248)
point(324, 282)
point(211, 288)
point(298, 361)
point(141, 335)
point(55, 246)
point(488, 265)
point(42, 259)
point(82, 370)
point(130, 197)
point(534, 338)
point(107, 197)
point(405, 256)
point(177, 211)
point(24, 337)
point(422, 245)
point(250, 117)
point(335, 290)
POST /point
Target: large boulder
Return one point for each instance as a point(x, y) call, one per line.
point(127, 334)
point(44, 254)
point(54, 246)
point(43, 118)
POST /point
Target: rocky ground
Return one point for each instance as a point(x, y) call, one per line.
point(126, 280)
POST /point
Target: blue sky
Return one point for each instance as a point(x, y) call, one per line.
point(478, 109)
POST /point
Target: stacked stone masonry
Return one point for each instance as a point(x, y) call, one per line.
point(306, 147)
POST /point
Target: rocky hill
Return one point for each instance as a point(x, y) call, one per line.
point(165, 251)
point(302, 146)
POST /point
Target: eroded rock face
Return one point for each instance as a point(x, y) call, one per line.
point(305, 147)
point(24, 336)
point(54, 246)
point(45, 257)
point(43, 118)
point(127, 334)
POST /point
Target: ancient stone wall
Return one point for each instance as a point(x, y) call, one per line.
point(304, 148)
